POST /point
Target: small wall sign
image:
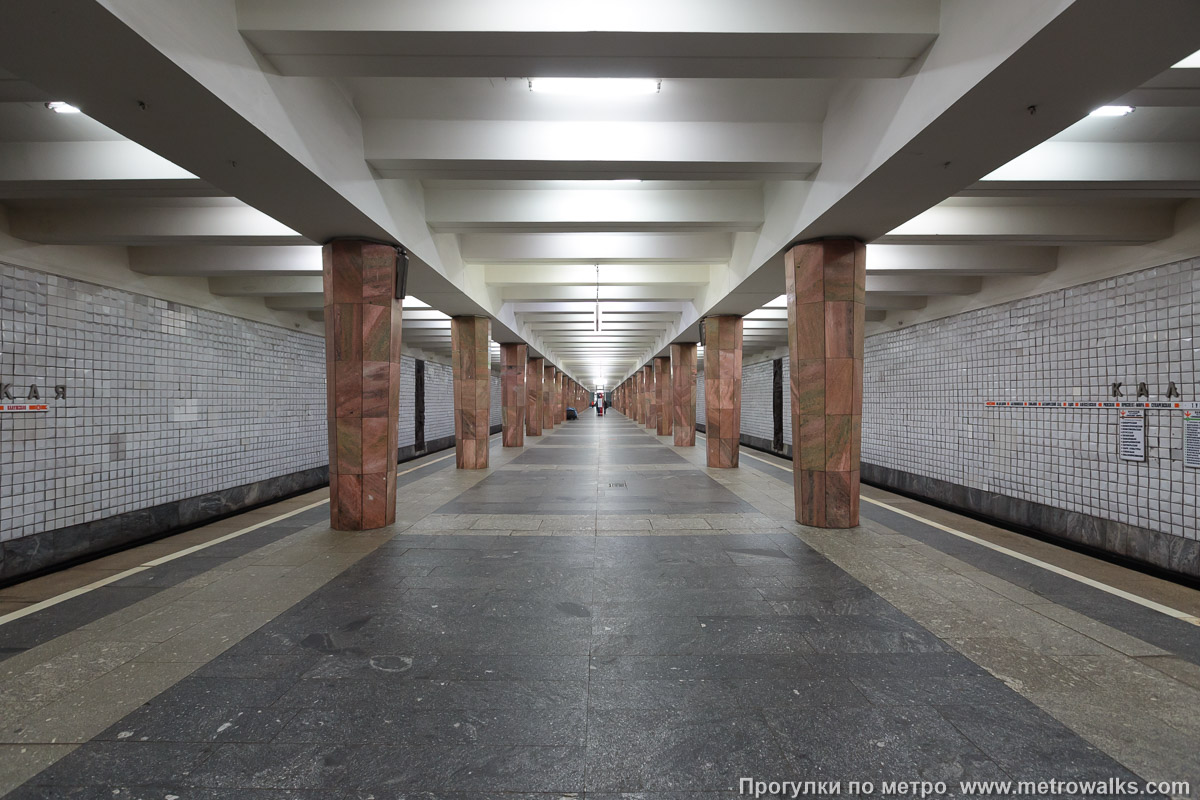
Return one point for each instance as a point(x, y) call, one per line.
point(1132, 434)
point(1191, 439)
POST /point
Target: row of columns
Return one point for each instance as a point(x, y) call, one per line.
point(826, 301)
point(363, 324)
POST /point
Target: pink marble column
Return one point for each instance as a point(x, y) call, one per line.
point(550, 377)
point(513, 399)
point(662, 389)
point(563, 381)
point(639, 404)
point(683, 393)
point(533, 389)
point(472, 391)
point(826, 299)
point(362, 369)
point(650, 398)
point(723, 389)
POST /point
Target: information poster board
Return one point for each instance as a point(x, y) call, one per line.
point(1132, 433)
point(1191, 439)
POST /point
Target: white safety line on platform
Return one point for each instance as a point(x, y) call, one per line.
point(53, 601)
point(65, 596)
point(1124, 595)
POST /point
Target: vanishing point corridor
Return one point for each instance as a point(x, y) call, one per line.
point(600, 616)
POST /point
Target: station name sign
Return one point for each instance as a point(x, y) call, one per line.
point(17, 399)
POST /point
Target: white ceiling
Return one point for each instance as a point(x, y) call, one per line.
point(226, 140)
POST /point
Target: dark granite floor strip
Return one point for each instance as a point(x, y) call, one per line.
point(50, 623)
point(22, 634)
point(1173, 635)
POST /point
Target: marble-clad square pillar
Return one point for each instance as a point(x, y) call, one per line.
point(639, 404)
point(362, 360)
point(683, 394)
point(649, 399)
point(563, 388)
point(513, 399)
point(723, 389)
point(533, 389)
point(662, 391)
point(472, 391)
point(549, 403)
point(826, 300)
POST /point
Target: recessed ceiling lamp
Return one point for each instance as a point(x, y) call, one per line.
point(59, 107)
point(596, 87)
point(1111, 111)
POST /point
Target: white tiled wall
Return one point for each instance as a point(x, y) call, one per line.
point(787, 401)
point(439, 401)
point(925, 389)
point(164, 402)
point(700, 397)
point(758, 391)
point(495, 411)
point(408, 393)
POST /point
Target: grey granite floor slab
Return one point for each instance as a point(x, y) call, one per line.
point(667, 663)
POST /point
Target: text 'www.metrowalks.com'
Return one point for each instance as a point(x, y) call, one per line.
point(1109, 787)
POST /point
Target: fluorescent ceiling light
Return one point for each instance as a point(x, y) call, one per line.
point(1111, 111)
point(59, 107)
point(595, 87)
point(1191, 62)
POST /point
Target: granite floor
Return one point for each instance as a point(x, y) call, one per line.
point(598, 615)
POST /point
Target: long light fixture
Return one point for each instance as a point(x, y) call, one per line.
point(1112, 111)
point(598, 326)
point(59, 107)
point(596, 87)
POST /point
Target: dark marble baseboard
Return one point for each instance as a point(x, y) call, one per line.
point(410, 452)
point(765, 446)
point(1155, 549)
point(21, 558)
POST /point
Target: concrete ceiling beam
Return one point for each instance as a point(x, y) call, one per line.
point(814, 38)
point(593, 248)
point(663, 292)
point(576, 306)
point(120, 224)
point(603, 209)
point(1064, 168)
point(587, 274)
point(464, 148)
point(928, 285)
point(895, 302)
point(267, 287)
point(1174, 88)
point(226, 261)
point(915, 259)
point(1042, 224)
point(298, 302)
point(82, 169)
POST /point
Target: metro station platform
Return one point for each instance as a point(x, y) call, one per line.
point(597, 615)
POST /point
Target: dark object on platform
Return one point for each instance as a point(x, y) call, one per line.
point(571, 413)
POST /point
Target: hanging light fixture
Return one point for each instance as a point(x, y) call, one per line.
point(599, 328)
